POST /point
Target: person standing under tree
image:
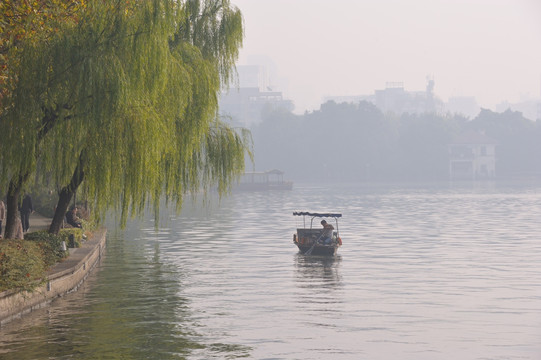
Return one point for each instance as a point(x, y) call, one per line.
point(2, 215)
point(26, 209)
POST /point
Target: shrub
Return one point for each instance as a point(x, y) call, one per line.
point(50, 244)
point(23, 262)
point(22, 265)
point(77, 237)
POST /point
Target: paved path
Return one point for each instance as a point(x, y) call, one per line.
point(39, 222)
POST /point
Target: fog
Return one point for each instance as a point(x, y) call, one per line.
point(387, 90)
point(489, 49)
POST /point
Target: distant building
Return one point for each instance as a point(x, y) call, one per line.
point(530, 109)
point(244, 103)
point(263, 181)
point(350, 99)
point(472, 156)
point(463, 105)
point(394, 98)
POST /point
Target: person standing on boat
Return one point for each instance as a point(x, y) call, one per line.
point(326, 234)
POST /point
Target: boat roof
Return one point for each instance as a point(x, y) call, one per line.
point(303, 213)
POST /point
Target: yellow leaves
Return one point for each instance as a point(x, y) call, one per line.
point(28, 21)
point(29, 18)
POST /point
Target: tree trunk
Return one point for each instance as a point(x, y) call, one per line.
point(17, 183)
point(65, 196)
point(64, 199)
point(12, 206)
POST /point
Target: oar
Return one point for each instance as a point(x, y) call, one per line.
point(309, 251)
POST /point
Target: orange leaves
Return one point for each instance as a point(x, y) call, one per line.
point(23, 19)
point(30, 20)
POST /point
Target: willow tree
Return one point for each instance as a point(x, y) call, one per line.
point(23, 21)
point(23, 24)
point(207, 40)
point(124, 102)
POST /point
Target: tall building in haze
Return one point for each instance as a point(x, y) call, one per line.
point(245, 101)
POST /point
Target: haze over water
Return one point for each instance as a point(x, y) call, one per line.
point(425, 272)
point(313, 48)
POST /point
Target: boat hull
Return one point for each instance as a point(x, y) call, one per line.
point(319, 250)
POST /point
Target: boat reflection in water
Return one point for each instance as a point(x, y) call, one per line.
point(318, 271)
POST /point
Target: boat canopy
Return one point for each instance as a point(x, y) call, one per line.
point(303, 213)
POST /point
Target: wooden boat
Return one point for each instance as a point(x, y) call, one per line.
point(312, 241)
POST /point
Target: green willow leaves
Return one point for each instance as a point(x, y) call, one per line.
point(125, 101)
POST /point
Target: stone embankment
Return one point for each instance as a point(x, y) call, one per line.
point(62, 278)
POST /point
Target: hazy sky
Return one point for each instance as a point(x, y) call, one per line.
point(490, 49)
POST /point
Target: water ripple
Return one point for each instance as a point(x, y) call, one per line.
point(424, 273)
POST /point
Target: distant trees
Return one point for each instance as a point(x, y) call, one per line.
point(121, 103)
point(421, 148)
point(356, 142)
point(519, 141)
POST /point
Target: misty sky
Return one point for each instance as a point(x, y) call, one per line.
point(490, 49)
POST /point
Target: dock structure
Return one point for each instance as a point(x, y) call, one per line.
point(262, 181)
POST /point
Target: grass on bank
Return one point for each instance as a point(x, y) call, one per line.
point(24, 263)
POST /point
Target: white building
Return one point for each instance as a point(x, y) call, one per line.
point(472, 156)
point(244, 103)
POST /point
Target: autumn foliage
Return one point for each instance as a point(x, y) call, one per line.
point(25, 20)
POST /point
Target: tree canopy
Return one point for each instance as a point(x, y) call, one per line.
point(357, 142)
point(123, 102)
point(29, 21)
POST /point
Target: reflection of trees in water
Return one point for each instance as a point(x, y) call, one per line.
point(146, 314)
point(135, 310)
point(43, 330)
point(318, 271)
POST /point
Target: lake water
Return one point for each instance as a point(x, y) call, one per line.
point(425, 272)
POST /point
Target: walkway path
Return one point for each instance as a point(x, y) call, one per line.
point(39, 222)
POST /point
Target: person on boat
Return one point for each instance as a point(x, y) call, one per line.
point(326, 234)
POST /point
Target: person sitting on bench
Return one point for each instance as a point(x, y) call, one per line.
point(72, 218)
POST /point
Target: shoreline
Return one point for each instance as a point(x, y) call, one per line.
point(62, 278)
